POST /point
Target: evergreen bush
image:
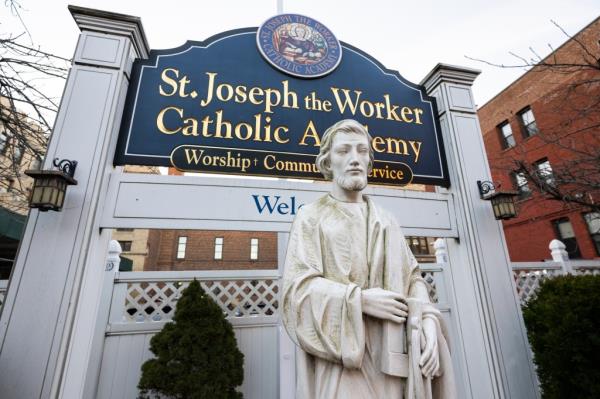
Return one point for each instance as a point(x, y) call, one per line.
point(563, 326)
point(196, 354)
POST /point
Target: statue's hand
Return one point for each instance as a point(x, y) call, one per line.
point(384, 304)
point(430, 360)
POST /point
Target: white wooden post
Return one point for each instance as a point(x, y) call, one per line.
point(441, 255)
point(53, 299)
point(111, 269)
point(287, 349)
point(559, 254)
point(495, 348)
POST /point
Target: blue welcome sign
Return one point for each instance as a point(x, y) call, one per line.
point(256, 102)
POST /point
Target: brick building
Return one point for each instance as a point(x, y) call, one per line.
point(545, 128)
point(211, 250)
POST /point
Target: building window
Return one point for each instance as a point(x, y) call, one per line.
point(181, 244)
point(19, 150)
point(253, 248)
point(592, 219)
point(528, 122)
point(11, 185)
point(3, 142)
point(125, 245)
point(35, 164)
point(218, 248)
point(564, 232)
point(418, 245)
point(521, 185)
point(544, 171)
point(506, 135)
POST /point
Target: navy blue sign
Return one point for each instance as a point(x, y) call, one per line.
point(219, 106)
point(299, 45)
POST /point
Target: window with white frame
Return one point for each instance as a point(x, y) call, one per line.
point(544, 171)
point(521, 185)
point(592, 219)
point(528, 122)
point(566, 234)
point(254, 249)
point(218, 247)
point(506, 134)
point(181, 244)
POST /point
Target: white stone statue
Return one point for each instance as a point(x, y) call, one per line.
point(353, 298)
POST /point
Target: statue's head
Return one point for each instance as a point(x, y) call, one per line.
point(346, 155)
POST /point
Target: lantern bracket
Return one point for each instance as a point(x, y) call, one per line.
point(485, 187)
point(65, 166)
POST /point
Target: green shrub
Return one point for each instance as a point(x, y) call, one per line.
point(563, 325)
point(196, 355)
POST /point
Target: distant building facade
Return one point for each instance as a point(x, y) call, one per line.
point(547, 122)
point(22, 144)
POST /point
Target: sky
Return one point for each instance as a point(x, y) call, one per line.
point(410, 37)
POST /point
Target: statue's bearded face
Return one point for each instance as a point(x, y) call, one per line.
point(349, 161)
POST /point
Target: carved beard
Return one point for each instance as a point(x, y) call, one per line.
point(352, 183)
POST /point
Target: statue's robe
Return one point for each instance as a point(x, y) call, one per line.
point(335, 251)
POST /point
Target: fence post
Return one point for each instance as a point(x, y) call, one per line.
point(114, 257)
point(441, 254)
point(560, 255)
point(111, 268)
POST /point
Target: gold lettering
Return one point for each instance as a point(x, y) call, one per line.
point(367, 112)
point(416, 146)
point(168, 80)
point(210, 88)
point(377, 141)
point(405, 113)
point(191, 129)
point(311, 132)
point(160, 120)
point(278, 137)
point(418, 113)
point(286, 95)
point(220, 123)
point(194, 157)
point(256, 91)
point(266, 162)
point(268, 99)
point(347, 100)
point(238, 131)
point(396, 143)
point(240, 94)
point(229, 94)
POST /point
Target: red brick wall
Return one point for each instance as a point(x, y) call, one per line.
point(557, 110)
point(200, 249)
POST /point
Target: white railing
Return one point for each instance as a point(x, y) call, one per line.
point(147, 300)
point(529, 275)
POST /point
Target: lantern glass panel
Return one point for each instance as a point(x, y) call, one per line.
point(36, 195)
point(61, 199)
point(46, 195)
point(54, 196)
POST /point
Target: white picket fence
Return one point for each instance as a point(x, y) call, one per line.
point(529, 275)
point(140, 303)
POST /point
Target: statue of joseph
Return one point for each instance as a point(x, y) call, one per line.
point(353, 297)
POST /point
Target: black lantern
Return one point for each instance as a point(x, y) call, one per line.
point(503, 203)
point(50, 186)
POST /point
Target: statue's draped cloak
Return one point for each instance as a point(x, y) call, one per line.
point(333, 254)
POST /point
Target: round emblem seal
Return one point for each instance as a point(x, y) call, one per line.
point(299, 45)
